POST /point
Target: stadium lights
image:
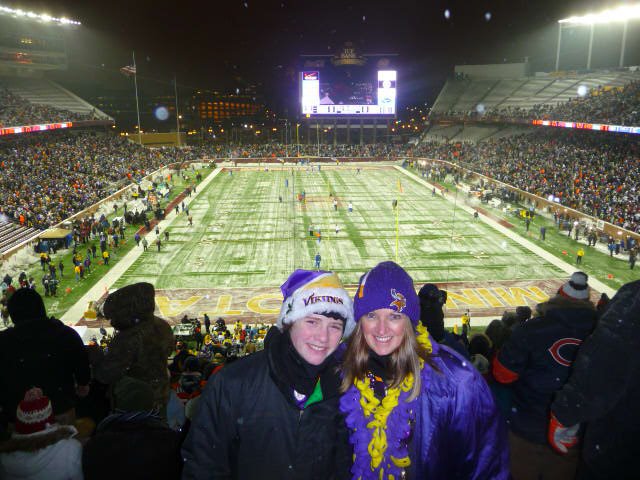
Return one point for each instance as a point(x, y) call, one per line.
point(619, 14)
point(34, 16)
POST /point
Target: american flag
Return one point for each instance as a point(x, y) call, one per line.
point(128, 70)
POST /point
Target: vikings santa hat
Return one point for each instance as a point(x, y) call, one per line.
point(309, 292)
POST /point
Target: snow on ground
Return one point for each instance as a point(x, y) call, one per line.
point(243, 236)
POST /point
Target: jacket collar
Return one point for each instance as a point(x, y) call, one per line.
point(38, 441)
point(287, 368)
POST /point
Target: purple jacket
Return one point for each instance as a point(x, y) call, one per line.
point(459, 433)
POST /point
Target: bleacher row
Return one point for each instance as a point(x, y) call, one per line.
point(12, 234)
point(465, 95)
point(42, 91)
point(469, 133)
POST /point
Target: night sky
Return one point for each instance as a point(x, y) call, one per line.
point(228, 44)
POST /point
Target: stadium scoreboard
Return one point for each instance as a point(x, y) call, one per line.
point(348, 85)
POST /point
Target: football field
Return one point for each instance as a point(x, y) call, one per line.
point(252, 228)
point(243, 236)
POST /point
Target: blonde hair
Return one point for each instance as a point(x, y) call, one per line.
point(404, 360)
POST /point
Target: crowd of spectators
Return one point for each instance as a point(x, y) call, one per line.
point(615, 106)
point(48, 178)
point(609, 105)
point(86, 429)
point(595, 174)
point(111, 409)
point(16, 111)
point(279, 150)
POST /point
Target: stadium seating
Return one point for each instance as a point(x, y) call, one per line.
point(589, 172)
point(12, 234)
point(50, 177)
point(475, 133)
point(46, 92)
point(468, 133)
point(477, 97)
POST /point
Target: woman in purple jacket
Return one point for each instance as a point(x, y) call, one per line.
point(414, 409)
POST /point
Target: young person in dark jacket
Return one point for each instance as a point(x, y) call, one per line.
point(432, 301)
point(274, 414)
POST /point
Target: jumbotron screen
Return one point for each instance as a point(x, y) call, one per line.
point(348, 91)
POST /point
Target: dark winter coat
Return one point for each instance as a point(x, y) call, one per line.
point(540, 353)
point(43, 353)
point(604, 390)
point(132, 445)
point(139, 351)
point(248, 426)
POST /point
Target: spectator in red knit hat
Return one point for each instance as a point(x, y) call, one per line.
point(39, 448)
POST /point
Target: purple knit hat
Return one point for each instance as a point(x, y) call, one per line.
point(387, 285)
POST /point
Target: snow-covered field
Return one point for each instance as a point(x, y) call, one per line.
point(244, 236)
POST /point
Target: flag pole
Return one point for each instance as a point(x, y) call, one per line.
point(175, 84)
point(135, 83)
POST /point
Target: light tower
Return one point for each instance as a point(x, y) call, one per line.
point(622, 14)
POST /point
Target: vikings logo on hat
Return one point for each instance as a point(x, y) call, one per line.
point(400, 302)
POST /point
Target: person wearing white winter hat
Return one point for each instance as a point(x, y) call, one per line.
point(577, 287)
point(274, 414)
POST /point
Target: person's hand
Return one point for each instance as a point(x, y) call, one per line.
point(562, 438)
point(82, 390)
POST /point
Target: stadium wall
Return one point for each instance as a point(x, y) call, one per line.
point(495, 70)
point(294, 160)
point(159, 139)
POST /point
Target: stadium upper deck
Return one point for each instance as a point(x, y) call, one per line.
point(477, 96)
